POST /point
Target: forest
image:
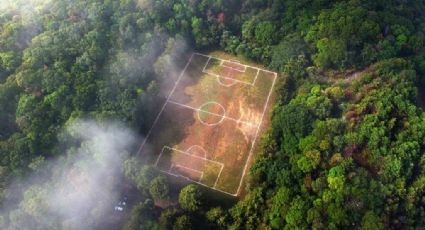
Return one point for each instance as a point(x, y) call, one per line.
point(347, 140)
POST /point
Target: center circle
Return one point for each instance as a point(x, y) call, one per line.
point(211, 113)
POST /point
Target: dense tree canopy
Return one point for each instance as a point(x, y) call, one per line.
point(346, 143)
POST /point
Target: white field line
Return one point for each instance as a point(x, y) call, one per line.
point(194, 156)
point(211, 124)
point(208, 56)
point(204, 70)
point(173, 166)
point(212, 161)
point(240, 71)
point(199, 147)
point(159, 157)
point(256, 135)
point(218, 115)
point(227, 78)
point(218, 177)
point(206, 64)
point(163, 107)
point(256, 76)
point(215, 189)
point(222, 61)
point(190, 169)
point(226, 85)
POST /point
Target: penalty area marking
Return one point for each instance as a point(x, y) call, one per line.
point(173, 166)
point(248, 66)
point(204, 70)
point(245, 66)
point(198, 182)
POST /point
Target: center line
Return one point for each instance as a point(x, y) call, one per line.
point(218, 115)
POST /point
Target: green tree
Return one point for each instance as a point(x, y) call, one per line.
point(218, 217)
point(142, 217)
point(190, 198)
point(295, 216)
point(309, 161)
point(371, 221)
point(183, 223)
point(159, 188)
point(168, 217)
point(144, 177)
point(265, 33)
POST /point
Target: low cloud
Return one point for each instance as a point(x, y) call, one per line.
point(80, 189)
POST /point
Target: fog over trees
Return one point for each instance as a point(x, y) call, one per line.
point(79, 88)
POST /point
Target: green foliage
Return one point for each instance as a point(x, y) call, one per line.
point(247, 213)
point(190, 198)
point(345, 170)
point(279, 208)
point(159, 188)
point(265, 32)
point(290, 56)
point(309, 161)
point(295, 216)
point(336, 178)
point(183, 223)
point(144, 178)
point(168, 217)
point(142, 217)
point(218, 217)
point(338, 155)
point(371, 221)
point(331, 53)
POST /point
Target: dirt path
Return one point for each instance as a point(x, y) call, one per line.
point(356, 75)
point(345, 78)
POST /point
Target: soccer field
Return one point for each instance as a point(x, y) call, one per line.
point(208, 127)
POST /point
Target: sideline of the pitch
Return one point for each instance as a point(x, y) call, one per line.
point(165, 104)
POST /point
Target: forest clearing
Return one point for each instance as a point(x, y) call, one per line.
point(210, 122)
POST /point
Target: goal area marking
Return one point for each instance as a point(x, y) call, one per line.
point(173, 166)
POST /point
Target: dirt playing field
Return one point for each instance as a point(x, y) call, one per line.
point(211, 121)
